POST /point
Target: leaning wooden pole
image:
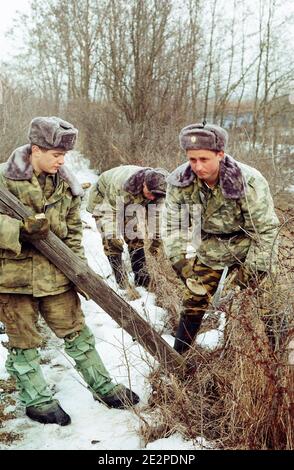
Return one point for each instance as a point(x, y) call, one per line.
point(91, 283)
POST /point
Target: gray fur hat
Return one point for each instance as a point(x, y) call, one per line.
point(155, 180)
point(203, 136)
point(52, 132)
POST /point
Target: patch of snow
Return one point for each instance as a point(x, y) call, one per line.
point(213, 339)
point(3, 355)
point(172, 443)
point(94, 426)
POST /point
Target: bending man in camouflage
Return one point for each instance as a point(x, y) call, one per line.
point(231, 211)
point(30, 284)
point(118, 202)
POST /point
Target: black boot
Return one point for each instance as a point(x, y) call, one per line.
point(120, 397)
point(48, 413)
point(186, 332)
point(118, 269)
point(138, 263)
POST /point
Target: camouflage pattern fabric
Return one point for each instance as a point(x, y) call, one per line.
point(34, 228)
point(120, 215)
point(205, 283)
point(110, 187)
point(19, 313)
point(23, 270)
point(232, 230)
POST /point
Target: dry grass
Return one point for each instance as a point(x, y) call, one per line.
point(240, 396)
point(166, 287)
point(7, 387)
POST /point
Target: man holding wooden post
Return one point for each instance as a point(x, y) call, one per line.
point(30, 284)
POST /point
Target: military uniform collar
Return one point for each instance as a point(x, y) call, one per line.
point(19, 168)
point(231, 181)
point(206, 186)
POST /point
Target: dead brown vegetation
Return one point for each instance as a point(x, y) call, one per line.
point(241, 395)
point(7, 387)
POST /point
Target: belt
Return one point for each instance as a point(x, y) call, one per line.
point(222, 236)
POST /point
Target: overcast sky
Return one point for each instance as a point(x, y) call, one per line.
point(9, 8)
point(7, 13)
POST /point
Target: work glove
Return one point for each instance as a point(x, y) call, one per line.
point(35, 227)
point(155, 247)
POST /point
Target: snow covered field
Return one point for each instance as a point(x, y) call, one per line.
point(94, 426)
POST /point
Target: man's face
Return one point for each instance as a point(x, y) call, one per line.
point(205, 164)
point(47, 161)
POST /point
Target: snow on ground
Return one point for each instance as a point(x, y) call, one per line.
point(94, 426)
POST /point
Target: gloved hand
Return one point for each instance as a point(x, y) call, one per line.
point(155, 247)
point(35, 227)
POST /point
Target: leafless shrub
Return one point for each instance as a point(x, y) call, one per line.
point(18, 106)
point(167, 288)
point(241, 395)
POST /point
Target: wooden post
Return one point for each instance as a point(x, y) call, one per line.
point(91, 283)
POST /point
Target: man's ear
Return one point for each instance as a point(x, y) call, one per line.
point(36, 150)
point(221, 154)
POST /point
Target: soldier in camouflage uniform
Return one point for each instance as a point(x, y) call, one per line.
point(30, 284)
point(118, 202)
point(230, 208)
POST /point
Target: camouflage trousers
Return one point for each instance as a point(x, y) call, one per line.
point(206, 283)
point(20, 313)
point(201, 279)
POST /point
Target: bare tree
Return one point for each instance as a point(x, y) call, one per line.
point(131, 73)
point(210, 56)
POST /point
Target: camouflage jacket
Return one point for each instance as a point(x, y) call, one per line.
point(113, 194)
point(234, 221)
point(24, 270)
